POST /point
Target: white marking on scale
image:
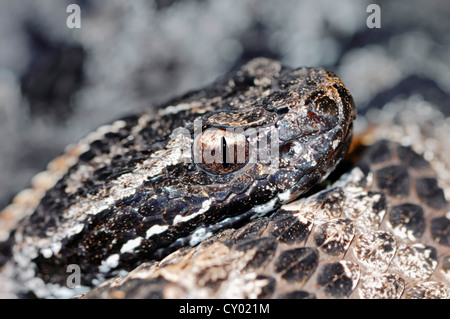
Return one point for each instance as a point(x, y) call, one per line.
point(285, 196)
point(177, 151)
point(205, 206)
point(154, 230)
point(51, 250)
point(173, 109)
point(110, 263)
point(46, 252)
point(263, 209)
point(295, 205)
point(130, 245)
point(324, 177)
point(124, 186)
point(335, 144)
point(199, 235)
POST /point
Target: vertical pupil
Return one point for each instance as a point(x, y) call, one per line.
point(224, 152)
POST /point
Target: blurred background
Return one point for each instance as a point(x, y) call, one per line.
point(57, 84)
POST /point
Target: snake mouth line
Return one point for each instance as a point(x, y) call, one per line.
point(271, 205)
point(323, 169)
point(261, 210)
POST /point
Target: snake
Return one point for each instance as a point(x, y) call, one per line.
point(230, 191)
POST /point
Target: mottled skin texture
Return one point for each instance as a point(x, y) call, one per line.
point(361, 237)
point(138, 192)
point(380, 231)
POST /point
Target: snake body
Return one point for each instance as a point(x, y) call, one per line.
point(180, 205)
point(146, 186)
point(368, 235)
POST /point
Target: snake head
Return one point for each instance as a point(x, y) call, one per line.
point(288, 138)
point(315, 133)
point(144, 186)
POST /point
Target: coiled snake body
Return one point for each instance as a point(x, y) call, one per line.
point(203, 199)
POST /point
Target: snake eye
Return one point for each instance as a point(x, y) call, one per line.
point(221, 151)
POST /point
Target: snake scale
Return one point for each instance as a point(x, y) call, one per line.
point(217, 196)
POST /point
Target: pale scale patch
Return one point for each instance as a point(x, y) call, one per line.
point(181, 219)
point(294, 205)
point(130, 245)
point(375, 250)
point(264, 209)
point(52, 250)
point(359, 207)
point(285, 196)
point(415, 261)
point(173, 109)
point(381, 286)
point(199, 235)
point(242, 285)
point(178, 150)
point(110, 263)
point(155, 230)
point(352, 271)
point(84, 171)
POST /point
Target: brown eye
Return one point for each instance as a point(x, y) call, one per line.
point(221, 151)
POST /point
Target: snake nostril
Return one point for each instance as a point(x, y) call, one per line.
point(321, 113)
point(285, 149)
point(290, 150)
point(282, 110)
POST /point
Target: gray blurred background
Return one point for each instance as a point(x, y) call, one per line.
point(57, 84)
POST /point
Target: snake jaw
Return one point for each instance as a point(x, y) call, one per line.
point(316, 131)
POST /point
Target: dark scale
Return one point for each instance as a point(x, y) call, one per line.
point(428, 190)
point(297, 264)
point(440, 228)
point(411, 158)
point(252, 230)
point(379, 152)
point(289, 229)
point(410, 216)
point(338, 279)
point(264, 250)
point(334, 237)
point(298, 294)
point(395, 180)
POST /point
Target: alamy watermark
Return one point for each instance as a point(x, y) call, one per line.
point(74, 279)
point(73, 21)
point(374, 19)
point(235, 145)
